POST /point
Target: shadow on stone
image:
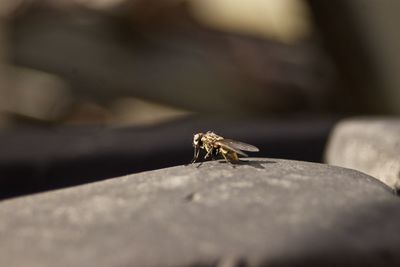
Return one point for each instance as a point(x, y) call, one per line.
point(258, 164)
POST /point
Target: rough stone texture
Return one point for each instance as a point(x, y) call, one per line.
point(265, 212)
point(370, 145)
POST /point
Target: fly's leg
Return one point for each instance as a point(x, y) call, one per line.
point(195, 155)
point(215, 153)
point(205, 157)
point(198, 166)
point(209, 153)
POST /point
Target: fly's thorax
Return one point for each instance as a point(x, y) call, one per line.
point(209, 141)
point(210, 137)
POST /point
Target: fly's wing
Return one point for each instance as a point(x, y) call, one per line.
point(236, 146)
point(240, 145)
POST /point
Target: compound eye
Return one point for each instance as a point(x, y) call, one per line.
point(196, 139)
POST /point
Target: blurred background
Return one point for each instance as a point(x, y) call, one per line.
point(93, 89)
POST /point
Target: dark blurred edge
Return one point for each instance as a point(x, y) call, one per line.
point(33, 160)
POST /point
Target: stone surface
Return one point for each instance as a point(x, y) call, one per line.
point(264, 212)
point(370, 145)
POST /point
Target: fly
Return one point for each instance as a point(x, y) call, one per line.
point(216, 145)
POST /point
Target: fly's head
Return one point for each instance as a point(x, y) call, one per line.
point(197, 143)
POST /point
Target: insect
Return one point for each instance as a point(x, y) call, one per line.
point(214, 144)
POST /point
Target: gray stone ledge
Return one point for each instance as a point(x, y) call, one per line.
point(266, 212)
point(370, 145)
